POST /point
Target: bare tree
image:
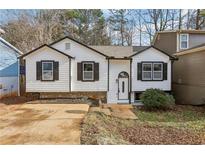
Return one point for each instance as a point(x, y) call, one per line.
point(119, 22)
point(200, 19)
point(180, 19)
point(188, 20)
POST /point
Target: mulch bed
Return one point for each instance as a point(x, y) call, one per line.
point(160, 135)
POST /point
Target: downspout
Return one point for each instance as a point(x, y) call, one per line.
point(130, 81)
point(172, 72)
point(69, 74)
point(18, 76)
point(108, 74)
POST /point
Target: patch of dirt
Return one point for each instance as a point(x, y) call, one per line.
point(11, 139)
point(25, 122)
point(26, 117)
point(42, 123)
point(14, 100)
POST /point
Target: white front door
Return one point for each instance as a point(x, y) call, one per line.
point(123, 88)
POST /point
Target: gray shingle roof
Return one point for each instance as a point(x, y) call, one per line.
point(119, 51)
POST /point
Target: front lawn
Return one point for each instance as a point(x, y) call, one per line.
point(181, 125)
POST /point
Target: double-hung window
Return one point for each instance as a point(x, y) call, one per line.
point(47, 71)
point(147, 71)
point(152, 71)
point(88, 71)
point(184, 41)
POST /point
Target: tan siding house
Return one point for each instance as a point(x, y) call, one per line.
point(166, 42)
point(188, 82)
point(189, 78)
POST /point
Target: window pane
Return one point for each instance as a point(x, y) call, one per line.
point(147, 67)
point(47, 75)
point(88, 75)
point(88, 67)
point(157, 75)
point(183, 37)
point(123, 87)
point(47, 66)
point(183, 44)
point(147, 75)
point(157, 67)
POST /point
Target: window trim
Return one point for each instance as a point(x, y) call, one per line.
point(152, 68)
point(187, 40)
point(93, 71)
point(42, 76)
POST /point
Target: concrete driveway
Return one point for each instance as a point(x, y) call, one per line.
point(41, 123)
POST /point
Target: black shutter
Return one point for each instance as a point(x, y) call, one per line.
point(96, 71)
point(79, 71)
point(56, 70)
point(165, 71)
point(139, 71)
point(38, 70)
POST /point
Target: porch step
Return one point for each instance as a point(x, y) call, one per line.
point(123, 101)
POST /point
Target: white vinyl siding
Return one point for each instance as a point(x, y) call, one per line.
point(184, 41)
point(46, 54)
point(80, 54)
point(154, 56)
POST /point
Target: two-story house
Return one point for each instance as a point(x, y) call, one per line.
point(188, 72)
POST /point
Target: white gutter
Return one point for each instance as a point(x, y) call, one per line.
point(18, 82)
point(10, 45)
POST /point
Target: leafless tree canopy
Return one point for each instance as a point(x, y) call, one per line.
point(28, 29)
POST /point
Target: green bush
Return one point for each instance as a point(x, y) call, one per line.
point(157, 99)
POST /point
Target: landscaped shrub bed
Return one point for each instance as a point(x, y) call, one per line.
point(157, 99)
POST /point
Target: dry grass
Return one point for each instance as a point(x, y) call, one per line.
point(182, 125)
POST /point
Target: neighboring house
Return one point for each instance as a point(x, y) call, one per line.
point(188, 71)
point(178, 40)
point(118, 74)
point(8, 69)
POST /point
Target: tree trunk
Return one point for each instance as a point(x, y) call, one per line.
point(180, 19)
point(197, 19)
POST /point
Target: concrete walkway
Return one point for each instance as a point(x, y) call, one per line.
point(42, 124)
point(116, 110)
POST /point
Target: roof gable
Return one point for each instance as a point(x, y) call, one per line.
point(89, 47)
point(172, 58)
point(45, 45)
